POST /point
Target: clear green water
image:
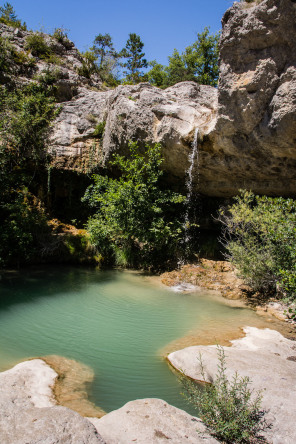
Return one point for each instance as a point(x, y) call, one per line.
point(114, 321)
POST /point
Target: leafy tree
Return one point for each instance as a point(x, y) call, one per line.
point(260, 236)
point(201, 59)
point(9, 17)
point(136, 223)
point(107, 58)
point(25, 116)
point(198, 63)
point(176, 70)
point(157, 75)
point(135, 60)
point(101, 58)
point(103, 48)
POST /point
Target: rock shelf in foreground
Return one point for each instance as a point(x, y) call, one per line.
point(269, 360)
point(28, 413)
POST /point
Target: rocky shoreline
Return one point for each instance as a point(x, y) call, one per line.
point(221, 276)
point(29, 412)
point(269, 360)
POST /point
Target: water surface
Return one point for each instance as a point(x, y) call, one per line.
point(114, 321)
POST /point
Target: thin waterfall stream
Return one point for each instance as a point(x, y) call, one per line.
point(193, 161)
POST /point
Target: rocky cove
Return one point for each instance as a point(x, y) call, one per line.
point(44, 392)
point(246, 139)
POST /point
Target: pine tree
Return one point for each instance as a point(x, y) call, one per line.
point(9, 17)
point(135, 60)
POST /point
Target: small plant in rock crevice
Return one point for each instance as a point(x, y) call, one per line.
point(37, 45)
point(99, 130)
point(229, 408)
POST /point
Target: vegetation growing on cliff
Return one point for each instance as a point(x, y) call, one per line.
point(198, 62)
point(136, 223)
point(25, 115)
point(260, 236)
point(9, 17)
point(134, 59)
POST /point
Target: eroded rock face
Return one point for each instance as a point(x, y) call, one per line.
point(246, 127)
point(248, 143)
point(255, 139)
point(140, 113)
point(65, 61)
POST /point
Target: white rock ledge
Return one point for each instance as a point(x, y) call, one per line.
point(28, 414)
point(151, 421)
point(269, 360)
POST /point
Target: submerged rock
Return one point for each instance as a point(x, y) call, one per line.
point(268, 359)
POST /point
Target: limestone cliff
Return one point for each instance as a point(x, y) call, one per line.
point(246, 126)
point(247, 137)
point(255, 143)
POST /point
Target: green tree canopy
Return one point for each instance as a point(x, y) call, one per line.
point(136, 222)
point(103, 48)
point(8, 16)
point(101, 58)
point(135, 59)
point(26, 112)
point(201, 59)
point(198, 63)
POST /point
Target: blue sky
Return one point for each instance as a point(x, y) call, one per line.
point(162, 24)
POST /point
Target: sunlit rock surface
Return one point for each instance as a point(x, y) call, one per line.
point(151, 421)
point(140, 113)
point(28, 413)
point(246, 137)
point(255, 143)
point(269, 360)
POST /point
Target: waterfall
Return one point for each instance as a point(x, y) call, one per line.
point(193, 160)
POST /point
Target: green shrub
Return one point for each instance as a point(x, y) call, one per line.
point(99, 130)
point(61, 36)
point(260, 236)
point(23, 225)
point(13, 62)
point(136, 222)
point(26, 113)
point(89, 65)
point(38, 46)
point(228, 408)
